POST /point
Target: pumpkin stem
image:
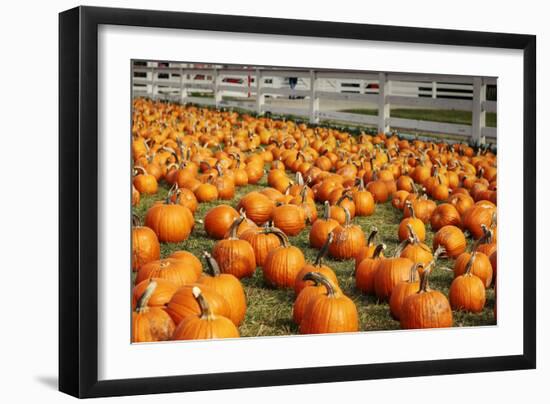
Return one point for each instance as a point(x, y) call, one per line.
point(412, 234)
point(470, 264)
point(414, 271)
point(303, 193)
point(144, 299)
point(140, 168)
point(372, 235)
point(299, 178)
point(378, 250)
point(280, 234)
point(234, 227)
point(211, 263)
point(326, 212)
point(345, 195)
point(136, 221)
point(319, 278)
point(348, 218)
point(409, 205)
point(219, 169)
point(206, 312)
point(323, 251)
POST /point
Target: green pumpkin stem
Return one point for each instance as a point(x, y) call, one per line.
point(323, 251)
point(319, 278)
point(212, 264)
point(142, 304)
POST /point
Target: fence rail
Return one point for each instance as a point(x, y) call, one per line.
point(259, 89)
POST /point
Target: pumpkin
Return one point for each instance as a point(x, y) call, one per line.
point(185, 197)
point(226, 285)
point(262, 241)
point(452, 239)
point(329, 312)
point(366, 270)
point(426, 308)
point(364, 201)
point(414, 222)
point(291, 219)
point(403, 290)
point(257, 206)
point(378, 190)
point(462, 202)
point(145, 245)
point(414, 249)
point(145, 183)
point(479, 264)
point(477, 215)
point(423, 209)
point(171, 269)
point(135, 196)
point(183, 304)
point(188, 259)
point(321, 228)
point(206, 192)
point(467, 291)
point(206, 324)
point(218, 220)
point(283, 263)
point(312, 289)
point(171, 223)
point(150, 324)
point(235, 256)
point(390, 271)
point(367, 251)
point(164, 290)
point(348, 240)
point(317, 266)
point(445, 214)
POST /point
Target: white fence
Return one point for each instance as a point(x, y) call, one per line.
point(263, 90)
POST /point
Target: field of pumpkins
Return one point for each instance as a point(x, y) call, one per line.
point(250, 226)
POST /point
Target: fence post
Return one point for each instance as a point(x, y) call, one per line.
point(154, 87)
point(383, 106)
point(434, 89)
point(260, 97)
point(478, 110)
point(183, 88)
point(313, 98)
point(217, 92)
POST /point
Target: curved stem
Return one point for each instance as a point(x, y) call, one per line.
point(412, 234)
point(348, 218)
point(409, 206)
point(211, 263)
point(144, 299)
point(470, 263)
point(345, 195)
point(326, 212)
point(378, 250)
point(414, 271)
point(234, 227)
point(140, 168)
point(372, 235)
point(206, 312)
point(281, 235)
point(323, 251)
point(321, 279)
point(136, 222)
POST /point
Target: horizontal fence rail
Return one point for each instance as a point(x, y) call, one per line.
point(261, 89)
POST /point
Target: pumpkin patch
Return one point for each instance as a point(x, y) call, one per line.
point(249, 226)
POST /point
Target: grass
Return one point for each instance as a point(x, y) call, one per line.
point(434, 115)
point(270, 310)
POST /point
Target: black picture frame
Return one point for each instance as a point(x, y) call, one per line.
point(78, 196)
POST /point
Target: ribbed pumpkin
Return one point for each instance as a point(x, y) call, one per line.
point(364, 201)
point(183, 303)
point(218, 220)
point(312, 289)
point(348, 240)
point(423, 209)
point(366, 270)
point(150, 324)
point(206, 192)
point(205, 325)
point(226, 285)
point(477, 215)
point(445, 214)
point(291, 219)
point(321, 228)
point(367, 251)
point(162, 294)
point(404, 289)
point(462, 202)
point(145, 183)
point(283, 263)
point(189, 260)
point(426, 308)
point(330, 312)
point(467, 291)
point(390, 271)
point(317, 266)
point(145, 245)
point(257, 206)
point(452, 239)
point(262, 241)
point(235, 256)
point(171, 269)
point(171, 223)
point(414, 249)
point(412, 220)
point(480, 266)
